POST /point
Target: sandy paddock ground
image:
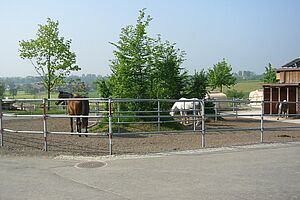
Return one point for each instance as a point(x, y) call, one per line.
point(32, 144)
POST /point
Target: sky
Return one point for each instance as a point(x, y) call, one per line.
point(249, 34)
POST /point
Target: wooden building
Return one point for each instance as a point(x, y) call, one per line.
point(286, 89)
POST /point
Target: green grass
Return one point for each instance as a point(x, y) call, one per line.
point(23, 95)
point(246, 86)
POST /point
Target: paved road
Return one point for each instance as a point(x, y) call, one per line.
point(255, 172)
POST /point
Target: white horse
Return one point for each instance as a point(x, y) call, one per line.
point(183, 106)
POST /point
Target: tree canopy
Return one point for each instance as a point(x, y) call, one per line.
point(145, 67)
point(269, 74)
point(220, 75)
point(197, 87)
point(50, 55)
point(2, 89)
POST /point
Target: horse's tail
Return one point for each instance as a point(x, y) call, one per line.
point(85, 111)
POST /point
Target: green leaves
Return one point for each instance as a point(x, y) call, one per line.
point(197, 87)
point(50, 55)
point(270, 74)
point(145, 67)
point(2, 89)
point(103, 88)
point(220, 75)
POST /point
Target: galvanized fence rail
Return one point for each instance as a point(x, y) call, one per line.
point(113, 115)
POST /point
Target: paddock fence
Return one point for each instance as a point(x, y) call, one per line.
point(116, 115)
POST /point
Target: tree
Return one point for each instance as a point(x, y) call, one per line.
point(145, 67)
point(78, 86)
point(50, 55)
point(2, 89)
point(197, 87)
point(220, 75)
point(130, 67)
point(30, 89)
point(167, 78)
point(103, 88)
point(13, 89)
point(269, 74)
point(234, 94)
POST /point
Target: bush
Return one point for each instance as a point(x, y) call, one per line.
point(234, 94)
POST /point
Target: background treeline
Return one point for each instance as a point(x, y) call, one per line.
point(32, 85)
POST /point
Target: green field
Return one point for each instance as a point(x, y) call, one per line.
point(245, 86)
point(248, 86)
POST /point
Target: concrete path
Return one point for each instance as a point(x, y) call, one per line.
point(251, 172)
point(257, 115)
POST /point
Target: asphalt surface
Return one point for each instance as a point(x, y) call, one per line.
point(251, 172)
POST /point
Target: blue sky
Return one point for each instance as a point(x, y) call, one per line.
point(248, 33)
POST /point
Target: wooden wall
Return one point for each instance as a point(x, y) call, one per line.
point(271, 97)
point(288, 76)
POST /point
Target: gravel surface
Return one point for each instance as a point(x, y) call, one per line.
point(32, 144)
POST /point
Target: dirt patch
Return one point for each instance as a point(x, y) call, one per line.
point(218, 134)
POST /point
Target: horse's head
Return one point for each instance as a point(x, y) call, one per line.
point(172, 113)
point(63, 95)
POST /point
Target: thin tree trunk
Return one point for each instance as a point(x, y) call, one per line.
point(49, 95)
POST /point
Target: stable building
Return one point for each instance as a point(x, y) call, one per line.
point(287, 89)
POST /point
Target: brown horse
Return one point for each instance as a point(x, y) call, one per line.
point(76, 107)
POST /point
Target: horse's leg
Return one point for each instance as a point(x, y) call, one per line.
point(71, 124)
point(86, 131)
point(285, 114)
point(181, 117)
point(186, 119)
point(84, 124)
point(198, 119)
point(78, 125)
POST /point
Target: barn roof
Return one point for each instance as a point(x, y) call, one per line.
point(293, 64)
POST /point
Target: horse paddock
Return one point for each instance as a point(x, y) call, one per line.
point(32, 144)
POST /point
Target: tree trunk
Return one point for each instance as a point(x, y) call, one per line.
point(49, 96)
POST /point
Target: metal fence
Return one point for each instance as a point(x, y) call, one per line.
point(115, 113)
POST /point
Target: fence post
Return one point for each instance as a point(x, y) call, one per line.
point(262, 123)
point(216, 111)
point(194, 115)
point(45, 124)
point(1, 124)
point(119, 128)
point(203, 123)
point(110, 126)
point(97, 112)
point(158, 116)
point(236, 108)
